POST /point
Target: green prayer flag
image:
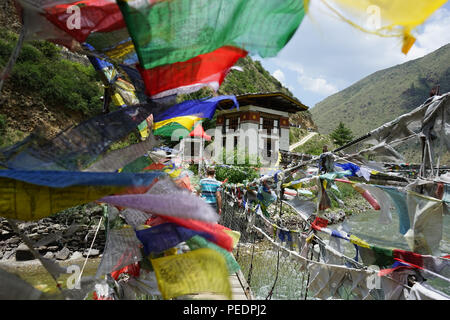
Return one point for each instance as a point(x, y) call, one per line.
point(383, 257)
point(197, 242)
point(173, 129)
point(165, 32)
point(138, 164)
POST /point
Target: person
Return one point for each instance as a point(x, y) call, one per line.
point(210, 190)
point(326, 163)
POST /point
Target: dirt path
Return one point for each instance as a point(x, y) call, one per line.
point(304, 140)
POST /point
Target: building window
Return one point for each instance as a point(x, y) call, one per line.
point(269, 147)
point(231, 123)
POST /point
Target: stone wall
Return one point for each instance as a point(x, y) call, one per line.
point(66, 235)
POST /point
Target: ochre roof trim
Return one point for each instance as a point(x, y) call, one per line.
point(295, 105)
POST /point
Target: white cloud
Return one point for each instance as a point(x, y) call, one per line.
point(433, 35)
point(310, 83)
point(317, 85)
point(279, 75)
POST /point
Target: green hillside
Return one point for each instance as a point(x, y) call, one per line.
point(385, 94)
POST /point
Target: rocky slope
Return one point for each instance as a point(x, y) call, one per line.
point(66, 235)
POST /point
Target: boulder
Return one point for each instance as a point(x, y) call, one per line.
point(23, 253)
point(76, 255)
point(49, 255)
point(62, 254)
point(7, 255)
point(92, 253)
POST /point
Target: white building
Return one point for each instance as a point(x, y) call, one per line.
point(259, 128)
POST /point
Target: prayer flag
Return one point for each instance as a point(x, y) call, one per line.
point(180, 119)
point(166, 32)
point(201, 270)
point(164, 236)
point(389, 18)
point(197, 242)
point(209, 69)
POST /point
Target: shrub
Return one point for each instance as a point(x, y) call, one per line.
point(240, 172)
point(40, 71)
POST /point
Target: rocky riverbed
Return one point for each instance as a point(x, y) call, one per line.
point(63, 236)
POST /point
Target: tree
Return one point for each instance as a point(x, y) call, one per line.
point(341, 135)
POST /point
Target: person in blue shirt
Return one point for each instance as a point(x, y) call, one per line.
point(210, 190)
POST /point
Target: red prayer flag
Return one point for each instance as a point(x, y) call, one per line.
point(209, 69)
point(319, 223)
point(93, 16)
point(408, 256)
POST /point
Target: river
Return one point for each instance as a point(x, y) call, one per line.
point(291, 280)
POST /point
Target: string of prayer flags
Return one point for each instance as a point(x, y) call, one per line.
point(76, 148)
point(197, 271)
point(166, 32)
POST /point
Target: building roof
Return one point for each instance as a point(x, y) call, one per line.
point(271, 100)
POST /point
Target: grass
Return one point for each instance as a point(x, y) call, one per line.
point(314, 145)
point(42, 73)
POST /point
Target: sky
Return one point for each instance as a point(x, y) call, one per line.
point(326, 55)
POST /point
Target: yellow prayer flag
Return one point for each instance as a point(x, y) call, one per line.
point(120, 51)
point(387, 18)
point(25, 201)
point(359, 242)
point(117, 99)
point(235, 236)
point(186, 121)
point(197, 271)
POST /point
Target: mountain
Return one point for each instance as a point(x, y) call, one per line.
point(384, 95)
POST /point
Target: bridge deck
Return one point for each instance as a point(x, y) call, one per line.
point(240, 290)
